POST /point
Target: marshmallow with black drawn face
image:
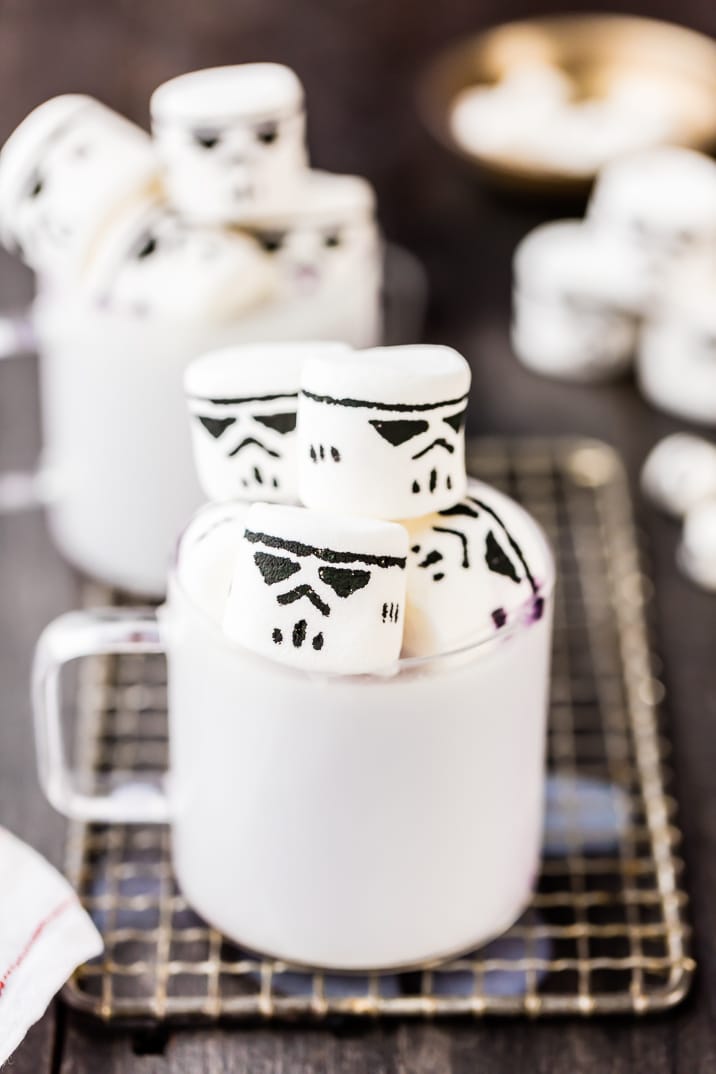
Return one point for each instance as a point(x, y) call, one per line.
point(475, 570)
point(382, 433)
point(206, 555)
point(676, 358)
point(697, 552)
point(231, 138)
point(577, 292)
point(319, 591)
point(679, 472)
point(662, 203)
point(242, 405)
point(151, 263)
point(64, 172)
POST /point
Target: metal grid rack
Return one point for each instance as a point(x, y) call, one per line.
point(605, 932)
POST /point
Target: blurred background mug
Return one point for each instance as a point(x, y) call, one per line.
point(309, 811)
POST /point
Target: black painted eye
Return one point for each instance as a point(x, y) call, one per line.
point(267, 133)
point(36, 185)
point(272, 241)
point(332, 239)
point(280, 423)
point(275, 568)
point(344, 581)
point(216, 426)
point(207, 139)
point(400, 431)
point(497, 560)
point(146, 247)
point(456, 421)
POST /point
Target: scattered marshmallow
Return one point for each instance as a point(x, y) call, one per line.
point(697, 552)
point(231, 138)
point(474, 570)
point(152, 263)
point(577, 291)
point(64, 172)
point(207, 554)
point(676, 360)
point(382, 433)
point(662, 202)
point(320, 592)
point(243, 402)
point(680, 472)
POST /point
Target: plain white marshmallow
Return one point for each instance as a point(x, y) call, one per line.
point(152, 263)
point(231, 138)
point(64, 172)
point(676, 359)
point(206, 555)
point(662, 202)
point(680, 472)
point(475, 570)
point(242, 403)
point(318, 591)
point(697, 552)
point(576, 296)
point(382, 434)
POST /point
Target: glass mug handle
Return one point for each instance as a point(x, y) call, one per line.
point(22, 489)
point(100, 632)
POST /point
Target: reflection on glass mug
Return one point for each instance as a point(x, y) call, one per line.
point(348, 822)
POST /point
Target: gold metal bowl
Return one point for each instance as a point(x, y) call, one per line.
point(593, 50)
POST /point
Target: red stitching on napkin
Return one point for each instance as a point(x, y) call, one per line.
point(57, 912)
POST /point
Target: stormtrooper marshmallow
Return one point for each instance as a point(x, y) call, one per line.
point(318, 591)
point(576, 296)
point(152, 263)
point(475, 569)
point(680, 471)
point(382, 433)
point(676, 360)
point(206, 555)
point(697, 551)
point(231, 138)
point(662, 202)
point(65, 171)
point(242, 404)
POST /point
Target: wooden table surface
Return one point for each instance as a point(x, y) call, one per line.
point(359, 60)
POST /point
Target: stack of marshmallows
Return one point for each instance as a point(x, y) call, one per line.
point(636, 278)
point(217, 218)
point(343, 531)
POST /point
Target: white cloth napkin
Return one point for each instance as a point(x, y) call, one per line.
point(44, 935)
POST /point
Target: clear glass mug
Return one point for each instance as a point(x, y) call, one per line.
point(351, 823)
point(117, 474)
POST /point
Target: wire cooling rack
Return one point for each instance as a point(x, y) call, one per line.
point(605, 932)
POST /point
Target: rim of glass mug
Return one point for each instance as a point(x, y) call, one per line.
point(523, 619)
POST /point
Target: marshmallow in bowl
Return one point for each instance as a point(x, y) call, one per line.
point(242, 403)
point(231, 138)
point(662, 202)
point(319, 591)
point(382, 433)
point(576, 296)
point(207, 553)
point(474, 570)
point(679, 472)
point(697, 551)
point(151, 263)
point(64, 172)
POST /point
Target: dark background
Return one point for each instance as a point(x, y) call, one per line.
point(359, 61)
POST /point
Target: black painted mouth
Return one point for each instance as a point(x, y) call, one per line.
point(304, 591)
point(247, 442)
point(436, 443)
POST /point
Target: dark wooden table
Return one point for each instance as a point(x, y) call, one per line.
point(359, 60)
